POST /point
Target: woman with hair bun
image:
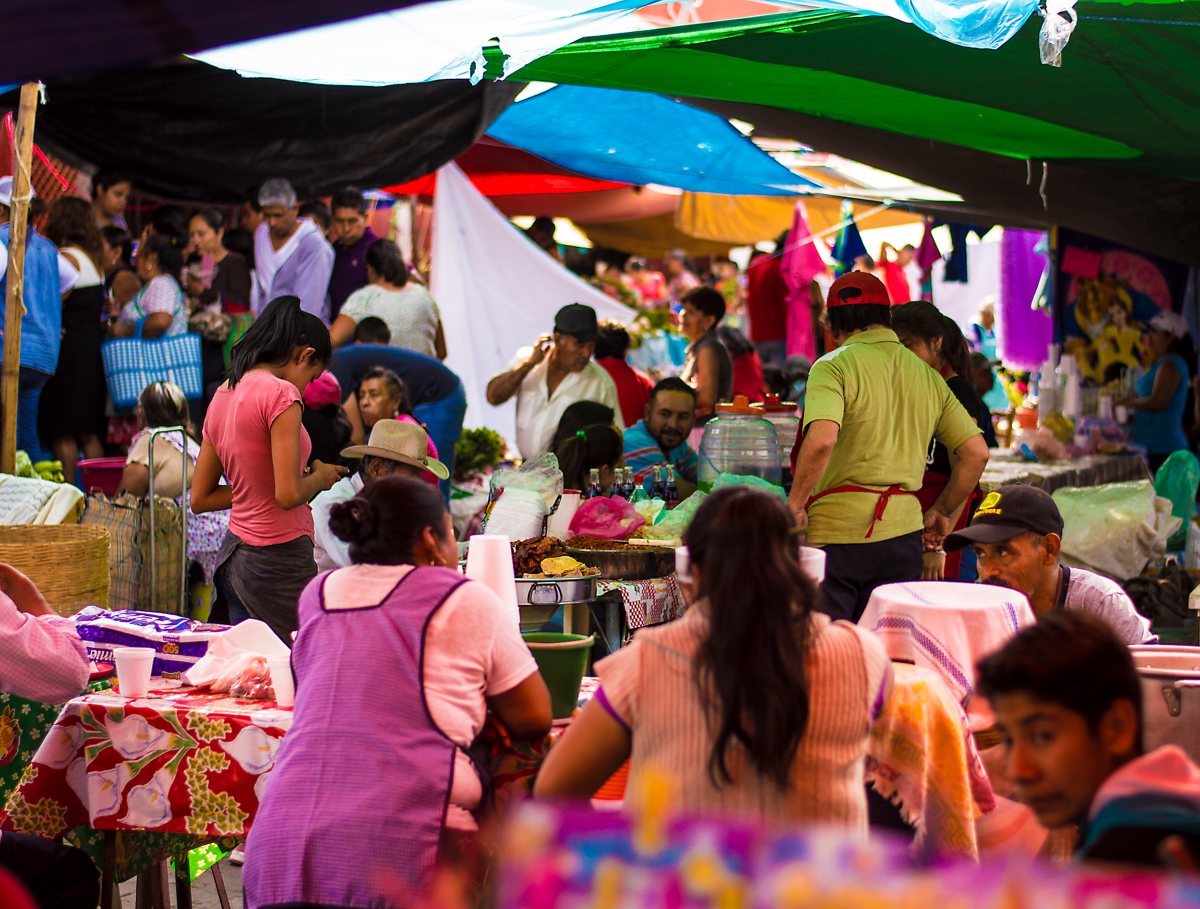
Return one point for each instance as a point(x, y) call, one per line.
point(254, 436)
point(591, 448)
point(397, 662)
point(160, 307)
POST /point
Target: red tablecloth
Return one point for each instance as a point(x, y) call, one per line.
point(176, 761)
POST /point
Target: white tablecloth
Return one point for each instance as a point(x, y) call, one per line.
point(946, 626)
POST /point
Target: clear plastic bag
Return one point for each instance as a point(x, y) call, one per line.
point(539, 475)
point(608, 518)
point(246, 676)
point(671, 524)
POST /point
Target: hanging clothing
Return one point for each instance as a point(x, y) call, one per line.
point(956, 262)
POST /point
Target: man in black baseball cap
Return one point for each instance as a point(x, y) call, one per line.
point(1017, 537)
point(552, 375)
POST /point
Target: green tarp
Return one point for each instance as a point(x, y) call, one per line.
point(1126, 95)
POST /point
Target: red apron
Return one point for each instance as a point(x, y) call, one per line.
point(885, 496)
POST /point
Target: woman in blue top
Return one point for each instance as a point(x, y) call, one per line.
point(1162, 391)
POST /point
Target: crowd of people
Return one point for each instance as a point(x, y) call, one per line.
point(325, 447)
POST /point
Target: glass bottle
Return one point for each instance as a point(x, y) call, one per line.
point(593, 489)
point(670, 491)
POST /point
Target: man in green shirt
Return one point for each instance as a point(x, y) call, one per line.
point(870, 409)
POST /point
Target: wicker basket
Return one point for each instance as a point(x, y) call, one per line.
point(67, 562)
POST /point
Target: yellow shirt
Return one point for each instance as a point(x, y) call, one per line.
point(889, 404)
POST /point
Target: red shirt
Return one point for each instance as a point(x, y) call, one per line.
point(766, 300)
point(633, 389)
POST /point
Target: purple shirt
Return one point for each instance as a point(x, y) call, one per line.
point(349, 270)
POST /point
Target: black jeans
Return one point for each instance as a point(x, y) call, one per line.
point(57, 876)
point(854, 570)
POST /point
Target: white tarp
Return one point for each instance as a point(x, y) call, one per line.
point(497, 292)
point(442, 40)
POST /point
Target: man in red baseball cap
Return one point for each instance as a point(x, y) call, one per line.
point(870, 410)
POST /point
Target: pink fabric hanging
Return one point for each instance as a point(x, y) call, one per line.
point(801, 263)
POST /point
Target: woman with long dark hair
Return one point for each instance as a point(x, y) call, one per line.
point(398, 660)
point(254, 436)
point(591, 448)
point(753, 704)
point(937, 339)
point(71, 416)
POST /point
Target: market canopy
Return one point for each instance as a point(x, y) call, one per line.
point(54, 39)
point(192, 132)
point(1126, 95)
point(638, 137)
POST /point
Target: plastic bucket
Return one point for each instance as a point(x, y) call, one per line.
point(103, 474)
point(561, 659)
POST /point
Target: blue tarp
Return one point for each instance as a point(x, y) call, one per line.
point(640, 138)
point(984, 24)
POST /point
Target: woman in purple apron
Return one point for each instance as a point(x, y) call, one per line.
point(397, 660)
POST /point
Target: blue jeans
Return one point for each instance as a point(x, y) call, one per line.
point(29, 395)
point(443, 421)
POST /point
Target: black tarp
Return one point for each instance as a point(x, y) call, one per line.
point(1155, 214)
point(189, 131)
point(54, 39)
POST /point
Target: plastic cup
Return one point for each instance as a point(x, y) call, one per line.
point(560, 522)
point(134, 665)
point(812, 563)
point(282, 680)
point(683, 564)
point(489, 561)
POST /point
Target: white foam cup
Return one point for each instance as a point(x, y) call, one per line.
point(282, 680)
point(134, 665)
point(812, 563)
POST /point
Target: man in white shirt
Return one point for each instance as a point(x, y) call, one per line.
point(394, 448)
point(551, 376)
point(291, 255)
point(1017, 535)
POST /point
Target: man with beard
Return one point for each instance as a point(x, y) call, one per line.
point(1017, 536)
point(660, 439)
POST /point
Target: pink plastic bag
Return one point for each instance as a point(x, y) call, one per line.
point(608, 518)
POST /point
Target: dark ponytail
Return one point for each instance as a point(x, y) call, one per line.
point(923, 320)
point(750, 666)
point(383, 522)
point(593, 446)
point(276, 333)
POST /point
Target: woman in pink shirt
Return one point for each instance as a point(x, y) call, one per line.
point(253, 435)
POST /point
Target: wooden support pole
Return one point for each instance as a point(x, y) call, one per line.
point(14, 301)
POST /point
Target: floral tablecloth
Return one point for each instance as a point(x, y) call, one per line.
point(177, 761)
point(649, 602)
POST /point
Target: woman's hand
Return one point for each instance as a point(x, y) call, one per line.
point(933, 566)
point(326, 475)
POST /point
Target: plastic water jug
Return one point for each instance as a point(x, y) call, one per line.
point(782, 415)
point(739, 440)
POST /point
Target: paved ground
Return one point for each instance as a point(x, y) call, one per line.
point(204, 894)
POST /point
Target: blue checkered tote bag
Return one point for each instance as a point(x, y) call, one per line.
point(130, 364)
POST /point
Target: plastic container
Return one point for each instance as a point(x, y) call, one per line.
point(739, 441)
point(1027, 417)
point(561, 659)
point(103, 474)
point(782, 415)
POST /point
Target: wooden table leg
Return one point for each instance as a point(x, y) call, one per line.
point(163, 885)
point(108, 871)
point(219, 880)
point(183, 884)
point(575, 618)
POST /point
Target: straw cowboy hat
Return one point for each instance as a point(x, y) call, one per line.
point(399, 441)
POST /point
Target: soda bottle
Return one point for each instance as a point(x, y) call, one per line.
point(593, 489)
point(656, 483)
point(670, 491)
point(630, 485)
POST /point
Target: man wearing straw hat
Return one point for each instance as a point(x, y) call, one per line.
point(394, 447)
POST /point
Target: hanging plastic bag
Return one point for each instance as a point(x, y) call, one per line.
point(1177, 480)
point(608, 518)
point(1059, 18)
point(670, 525)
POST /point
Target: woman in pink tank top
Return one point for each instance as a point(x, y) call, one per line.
point(752, 705)
point(253, 436)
